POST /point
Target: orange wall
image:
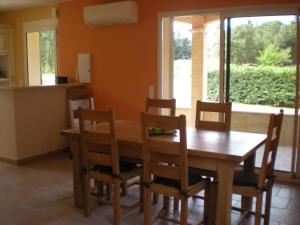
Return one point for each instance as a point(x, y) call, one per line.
point(17, 18)
point(124, 57)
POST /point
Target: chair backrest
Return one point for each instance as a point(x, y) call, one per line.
point(270, 151)
point(165, 155)
point(98, 138)
point(224, 109)
point(161, 104)
point(79, 96)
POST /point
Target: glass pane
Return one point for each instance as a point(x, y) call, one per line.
point(182, 47)
point(211, 61)
point(48, 57)
point(196, 47)
point(262, 77)
point(33, 58)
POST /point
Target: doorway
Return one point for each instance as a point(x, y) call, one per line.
point(209, 71)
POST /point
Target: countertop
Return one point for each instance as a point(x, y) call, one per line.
point(38, 86)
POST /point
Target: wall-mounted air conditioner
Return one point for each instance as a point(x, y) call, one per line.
point(111, 13)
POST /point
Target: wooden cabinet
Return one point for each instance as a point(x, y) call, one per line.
point(7, 55)
point(3, 41)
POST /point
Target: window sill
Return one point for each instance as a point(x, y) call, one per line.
point(260, 109)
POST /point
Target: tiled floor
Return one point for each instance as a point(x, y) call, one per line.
point(40, 193)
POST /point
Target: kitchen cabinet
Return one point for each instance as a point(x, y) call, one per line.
point(7, 55)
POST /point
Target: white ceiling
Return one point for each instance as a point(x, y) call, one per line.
point(20, 4)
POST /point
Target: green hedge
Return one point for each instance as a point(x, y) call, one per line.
point(263, 85)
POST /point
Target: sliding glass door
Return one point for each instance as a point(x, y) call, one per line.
point(260, 73)
point(250, 58)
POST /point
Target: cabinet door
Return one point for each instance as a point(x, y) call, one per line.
point(3, 41)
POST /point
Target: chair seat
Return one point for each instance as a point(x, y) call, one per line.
point(193, 179)
point(124, 168)
point(245, 179)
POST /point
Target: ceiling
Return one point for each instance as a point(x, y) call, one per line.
point(6, 5)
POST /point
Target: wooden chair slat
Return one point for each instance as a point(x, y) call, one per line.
point(169, 124)
point(92, 115)
point(92, 137)
point(99, 158)
point(79, 93)
point(161, 103)
point(222, 108)
point(171, 148)
point(171, 172)
point(212, 125)
point(167, 158)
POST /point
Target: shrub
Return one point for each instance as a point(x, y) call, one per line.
point(272, 55)
point(263, 85)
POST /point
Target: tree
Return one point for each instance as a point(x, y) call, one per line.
point(48, 51)
point(267, 33)
point(249, 41)
point(243, 45)
point(182, 47)
point(287, 39)
point(274, 56)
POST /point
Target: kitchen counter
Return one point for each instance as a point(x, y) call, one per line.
point(38, 86)
point(31, 118)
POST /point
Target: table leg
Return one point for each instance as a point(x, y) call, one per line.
point(210, 203)
point(249, 167)
point(224, 196)
point(77, 180)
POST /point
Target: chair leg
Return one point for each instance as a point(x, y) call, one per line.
point(124, 188)
point(184, 211)
point(141, 193)
point(116, 188)
point(147, 206)
point(166, 204)
point(175, 204)
point(108, 191)
point(258, 208)
point(268, 206)
point(155, 198)
point(99, 185)
point(87, 195)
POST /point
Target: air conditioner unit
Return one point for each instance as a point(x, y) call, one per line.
point(111, 13)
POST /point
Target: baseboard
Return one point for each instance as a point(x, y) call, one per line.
point(34, 158)
point(9, 161)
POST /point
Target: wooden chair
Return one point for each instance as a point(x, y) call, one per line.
point(221, 108)
point(224, 110)
point(158, 105)
point(254, 185)
point(161, 104)
point(166, 166)
point(101, 158)
point(78, 96)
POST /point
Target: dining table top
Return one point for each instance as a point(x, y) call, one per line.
point(227, 145)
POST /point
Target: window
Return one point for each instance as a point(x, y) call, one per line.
point(40, 52)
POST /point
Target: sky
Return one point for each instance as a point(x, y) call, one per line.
point(185, 29)
point(262, 19)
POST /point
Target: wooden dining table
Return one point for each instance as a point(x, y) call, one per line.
point(217, 151)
